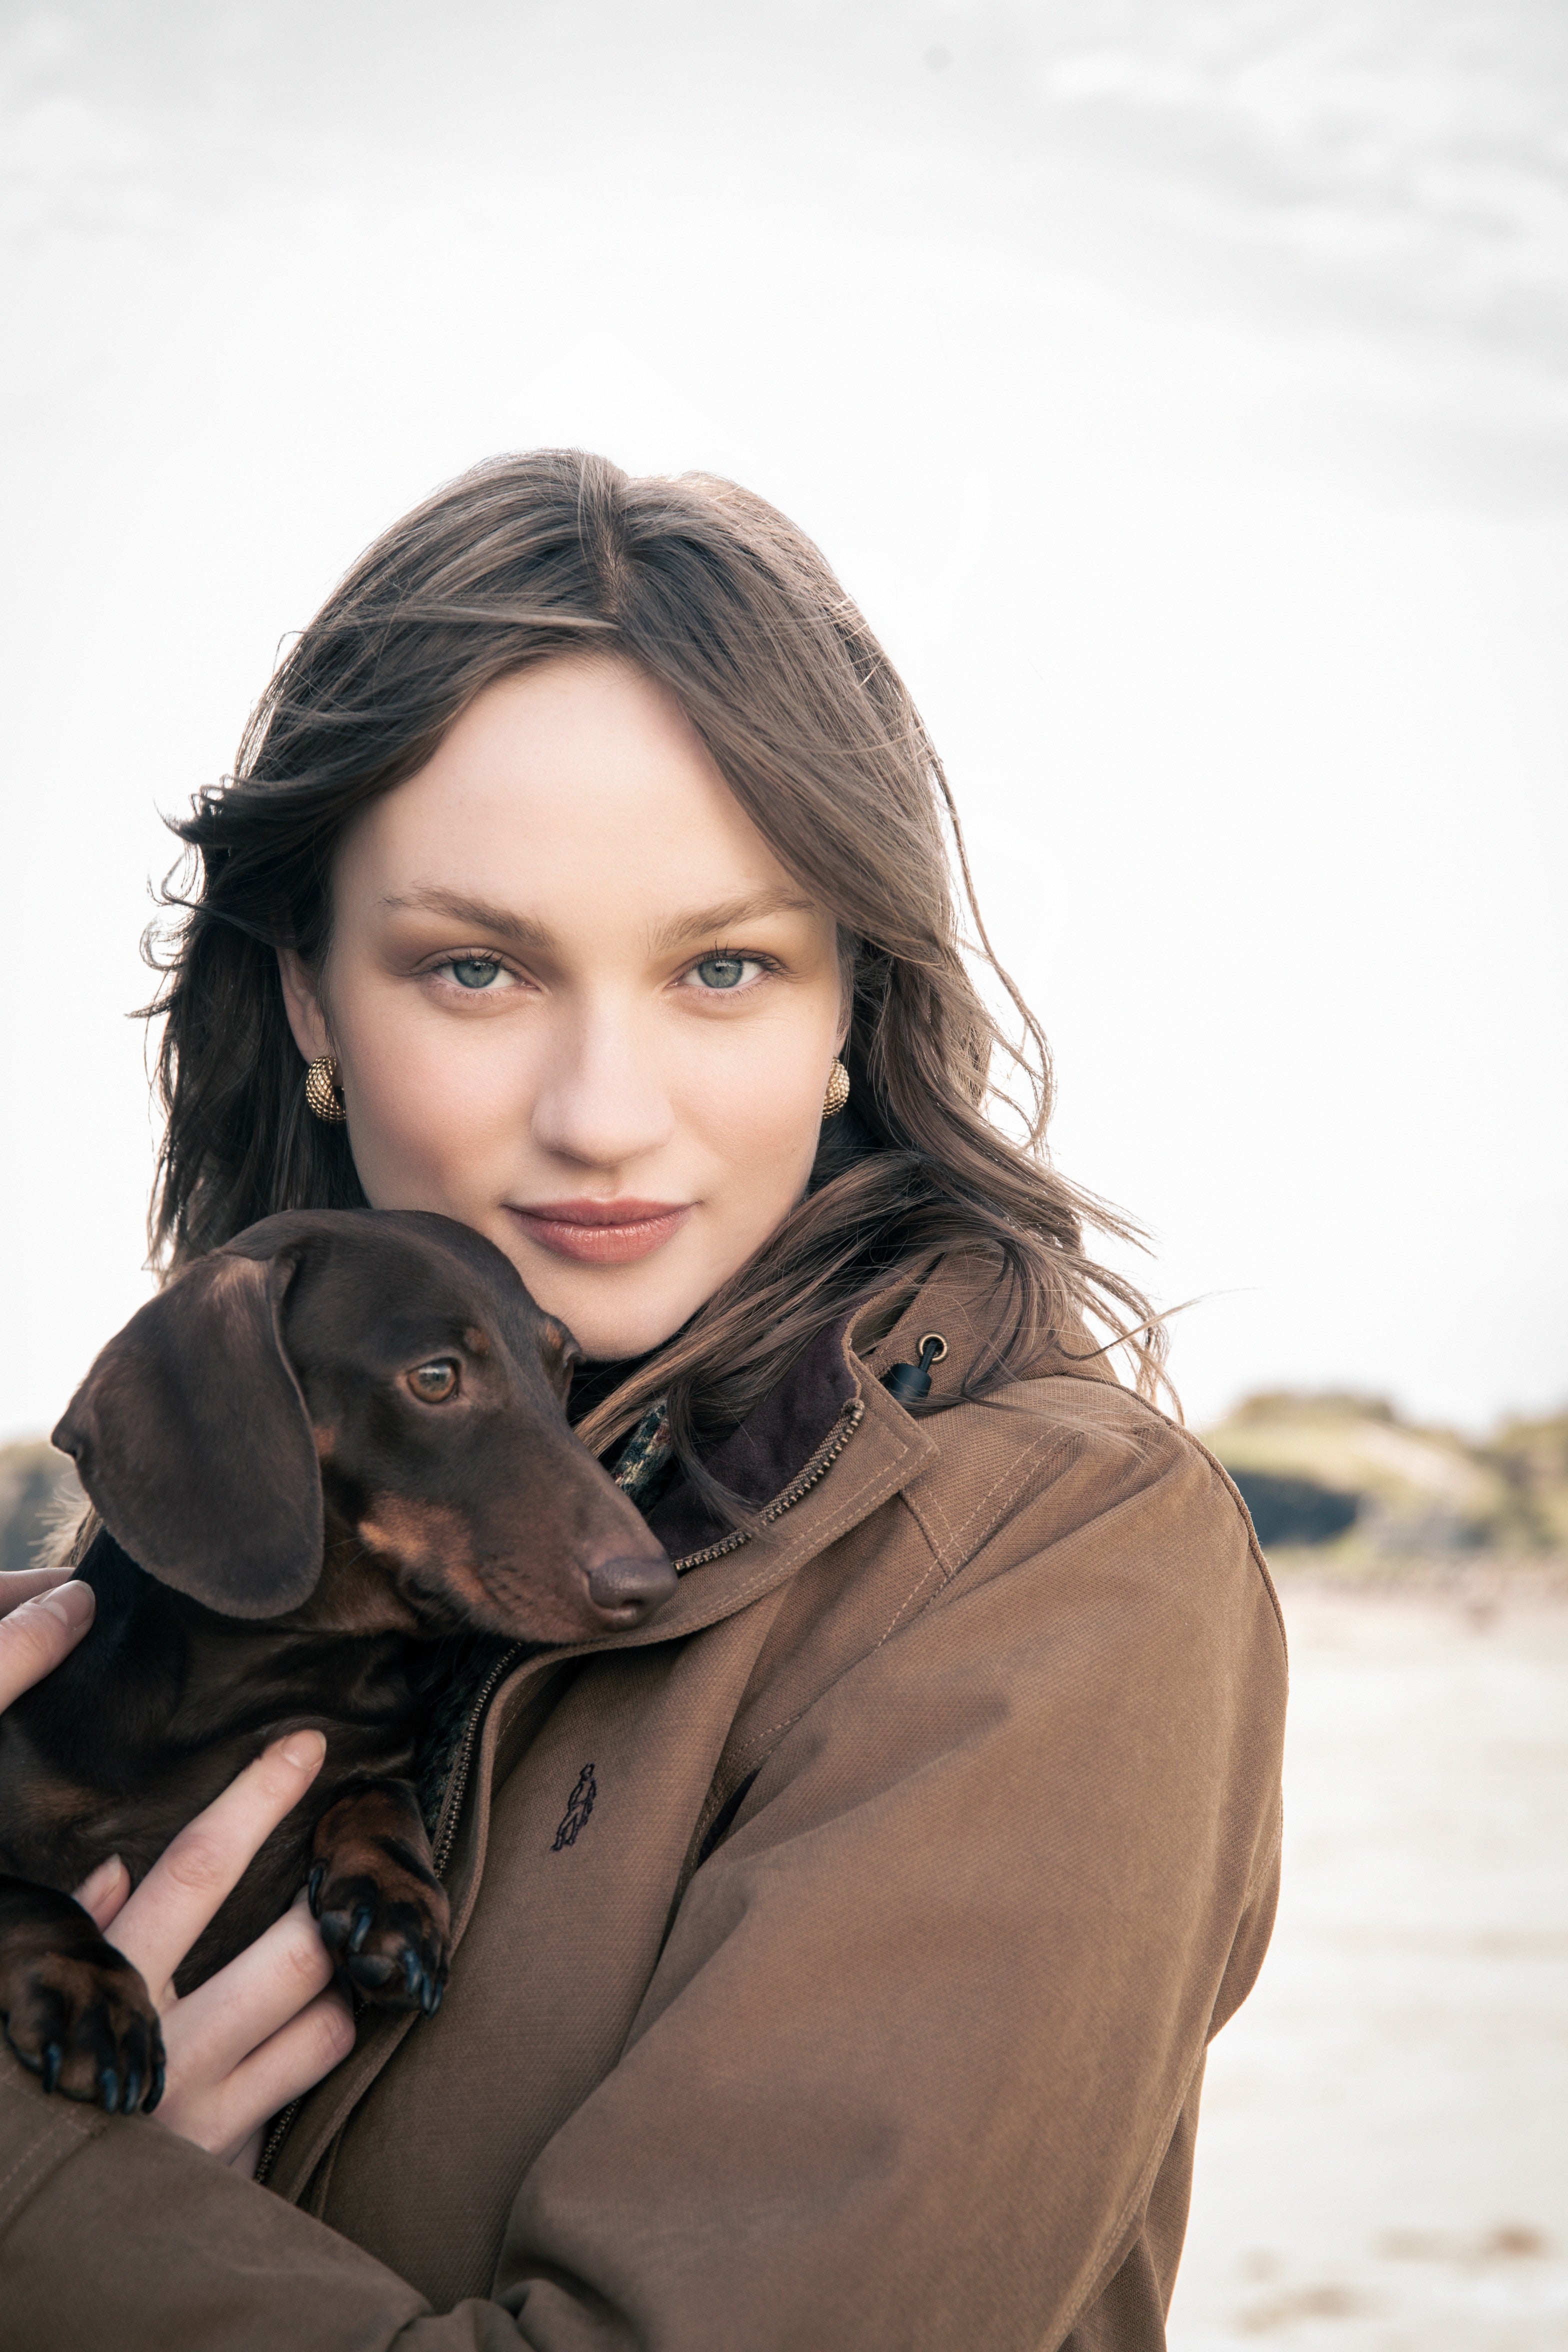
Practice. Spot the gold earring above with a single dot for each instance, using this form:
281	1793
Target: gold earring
838	1094
323	1092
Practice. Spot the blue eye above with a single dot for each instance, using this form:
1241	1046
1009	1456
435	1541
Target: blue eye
473	972
721	971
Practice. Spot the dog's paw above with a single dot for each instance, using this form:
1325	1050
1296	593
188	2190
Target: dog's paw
87	2027
389	1934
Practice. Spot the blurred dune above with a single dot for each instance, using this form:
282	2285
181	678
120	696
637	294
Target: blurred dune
1343	1478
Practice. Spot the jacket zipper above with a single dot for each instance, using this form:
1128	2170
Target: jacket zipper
821	1461
275	2139
463	1762
446	1831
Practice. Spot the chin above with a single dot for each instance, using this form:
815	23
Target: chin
606	1326
604	1337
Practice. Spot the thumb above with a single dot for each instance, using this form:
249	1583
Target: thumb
103	1891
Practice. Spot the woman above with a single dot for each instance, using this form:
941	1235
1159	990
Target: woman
837	1953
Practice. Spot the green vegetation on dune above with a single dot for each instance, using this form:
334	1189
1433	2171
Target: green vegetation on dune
1345	1474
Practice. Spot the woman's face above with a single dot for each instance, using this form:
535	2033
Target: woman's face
577	1003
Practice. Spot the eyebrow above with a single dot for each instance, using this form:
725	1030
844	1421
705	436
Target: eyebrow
725	914
474	914
480	915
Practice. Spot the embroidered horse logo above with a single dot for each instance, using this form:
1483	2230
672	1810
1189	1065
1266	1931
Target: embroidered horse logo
579	1805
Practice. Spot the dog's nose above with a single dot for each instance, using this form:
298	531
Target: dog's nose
624	1591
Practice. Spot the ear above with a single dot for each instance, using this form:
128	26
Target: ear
302	1004
849	957
192	1438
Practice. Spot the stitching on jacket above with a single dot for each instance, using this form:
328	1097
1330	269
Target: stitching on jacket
1047	1437
52	2126
1100	2277
939	1551
1137	2203
850	1517
1265	1857
1018	1473
1229	1485
787	1723
1014	1479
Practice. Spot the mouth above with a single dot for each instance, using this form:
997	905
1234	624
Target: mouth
602	1232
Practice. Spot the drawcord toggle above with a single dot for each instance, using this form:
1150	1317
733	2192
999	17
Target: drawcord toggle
908	1383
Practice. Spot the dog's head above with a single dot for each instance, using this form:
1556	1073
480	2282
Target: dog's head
378	1385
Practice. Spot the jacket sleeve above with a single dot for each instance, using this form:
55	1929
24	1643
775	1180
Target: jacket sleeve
922	2031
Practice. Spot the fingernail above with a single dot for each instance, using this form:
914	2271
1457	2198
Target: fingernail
72	1603
303	1749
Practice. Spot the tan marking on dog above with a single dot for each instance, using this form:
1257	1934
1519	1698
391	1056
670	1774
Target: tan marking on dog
434	1544
424	1535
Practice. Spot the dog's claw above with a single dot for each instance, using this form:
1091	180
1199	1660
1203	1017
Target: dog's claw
313	1888
385	1926
54	2058
109	2090
155	2091
132	2097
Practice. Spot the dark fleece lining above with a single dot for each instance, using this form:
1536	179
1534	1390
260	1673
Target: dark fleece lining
771	1447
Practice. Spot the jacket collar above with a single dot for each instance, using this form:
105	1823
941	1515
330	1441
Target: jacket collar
770	1450
829	1446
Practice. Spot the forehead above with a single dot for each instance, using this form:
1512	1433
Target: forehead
571	778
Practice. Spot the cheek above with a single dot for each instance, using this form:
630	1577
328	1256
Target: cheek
759	1118
433	1104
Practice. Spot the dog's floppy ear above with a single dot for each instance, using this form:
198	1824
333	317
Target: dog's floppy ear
191	1436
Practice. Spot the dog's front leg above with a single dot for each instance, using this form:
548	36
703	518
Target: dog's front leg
382	1911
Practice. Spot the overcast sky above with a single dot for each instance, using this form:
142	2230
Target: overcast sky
1180	386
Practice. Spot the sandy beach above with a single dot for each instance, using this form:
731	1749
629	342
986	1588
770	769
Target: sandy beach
1384	2160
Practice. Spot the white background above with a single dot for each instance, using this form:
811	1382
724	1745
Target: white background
1179	386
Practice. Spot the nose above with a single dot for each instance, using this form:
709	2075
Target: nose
627	1592
605	1105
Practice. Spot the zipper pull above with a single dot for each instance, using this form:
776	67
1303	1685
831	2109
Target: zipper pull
908	1383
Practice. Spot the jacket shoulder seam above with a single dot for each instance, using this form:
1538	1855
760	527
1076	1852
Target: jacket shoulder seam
1185	1439
950	1553
758	1740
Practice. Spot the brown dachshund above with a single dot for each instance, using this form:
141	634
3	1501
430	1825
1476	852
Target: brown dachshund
339	1438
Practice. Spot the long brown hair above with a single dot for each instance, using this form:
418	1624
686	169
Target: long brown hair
710	590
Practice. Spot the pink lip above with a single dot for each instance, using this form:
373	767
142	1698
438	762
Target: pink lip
602	1232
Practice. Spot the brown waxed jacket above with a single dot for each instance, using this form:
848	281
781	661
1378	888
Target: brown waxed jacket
836	1954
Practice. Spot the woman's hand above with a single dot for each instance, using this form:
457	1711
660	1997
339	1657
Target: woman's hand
265	2028
44	1613
268	2027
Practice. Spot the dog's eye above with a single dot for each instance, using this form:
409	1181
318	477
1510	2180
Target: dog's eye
433	1384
